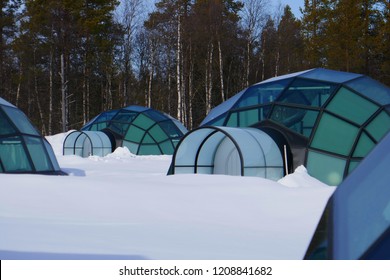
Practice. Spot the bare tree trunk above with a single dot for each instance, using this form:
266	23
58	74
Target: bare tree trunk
208	78
36	93
221	71
178	72
50	92
19	84
63	96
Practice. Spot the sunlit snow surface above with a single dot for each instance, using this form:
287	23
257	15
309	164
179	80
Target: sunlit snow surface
125	207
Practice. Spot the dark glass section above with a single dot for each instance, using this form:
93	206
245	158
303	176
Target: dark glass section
296	119
20	120
262	93
171	129
5	126
307	92
37	153
372	89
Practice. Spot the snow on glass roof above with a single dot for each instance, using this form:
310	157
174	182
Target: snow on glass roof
144	131
342	116
22	148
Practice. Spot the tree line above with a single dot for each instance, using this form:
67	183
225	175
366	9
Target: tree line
64	61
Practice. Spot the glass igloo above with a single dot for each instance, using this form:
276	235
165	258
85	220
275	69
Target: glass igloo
341	117
144	131
22	148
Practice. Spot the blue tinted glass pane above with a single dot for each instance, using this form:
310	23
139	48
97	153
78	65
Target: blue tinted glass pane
20	120
6	103
118	127
125	116
351	106
5	126
249	117
372	89
106	116
171	129
38	155
136	108
326	168
362	205
156	116
307	92
262	93
299	120
330	75
13	155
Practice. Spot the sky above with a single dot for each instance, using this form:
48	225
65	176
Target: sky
294	4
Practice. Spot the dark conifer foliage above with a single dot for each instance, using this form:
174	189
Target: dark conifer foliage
65	61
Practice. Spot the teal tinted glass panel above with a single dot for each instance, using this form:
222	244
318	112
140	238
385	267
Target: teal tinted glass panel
38	155
148	139
158	134
5	126
326	168
364	146
233	120
13	155
307	92
299	120
133	147
52	156
372	89
379	126
351	106
135	134
218	121
143	122
171	129
20	120
262	93
149	150
334	135
352	165
167	148
248	117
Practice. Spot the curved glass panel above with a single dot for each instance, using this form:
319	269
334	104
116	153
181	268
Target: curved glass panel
149	150
327	168
307	92
134	134
148	139
143	122
207	151
351	106
167	147
334	135
361	206
158	134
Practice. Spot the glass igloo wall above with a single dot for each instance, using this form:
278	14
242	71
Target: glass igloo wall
22	148
142	130
87	143
343	116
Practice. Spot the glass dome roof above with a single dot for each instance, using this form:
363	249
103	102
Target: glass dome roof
342	115
22	148
144	131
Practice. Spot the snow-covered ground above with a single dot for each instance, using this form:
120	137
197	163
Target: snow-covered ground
125	207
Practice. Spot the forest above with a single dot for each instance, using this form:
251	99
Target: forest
62	62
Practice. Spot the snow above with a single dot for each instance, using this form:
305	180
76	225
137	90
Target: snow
124	206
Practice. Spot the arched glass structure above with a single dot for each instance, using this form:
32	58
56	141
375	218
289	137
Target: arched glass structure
142	130
87	143
342	116
356	221
228	151
22	148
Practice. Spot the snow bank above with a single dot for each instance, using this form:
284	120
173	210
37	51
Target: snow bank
125	207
